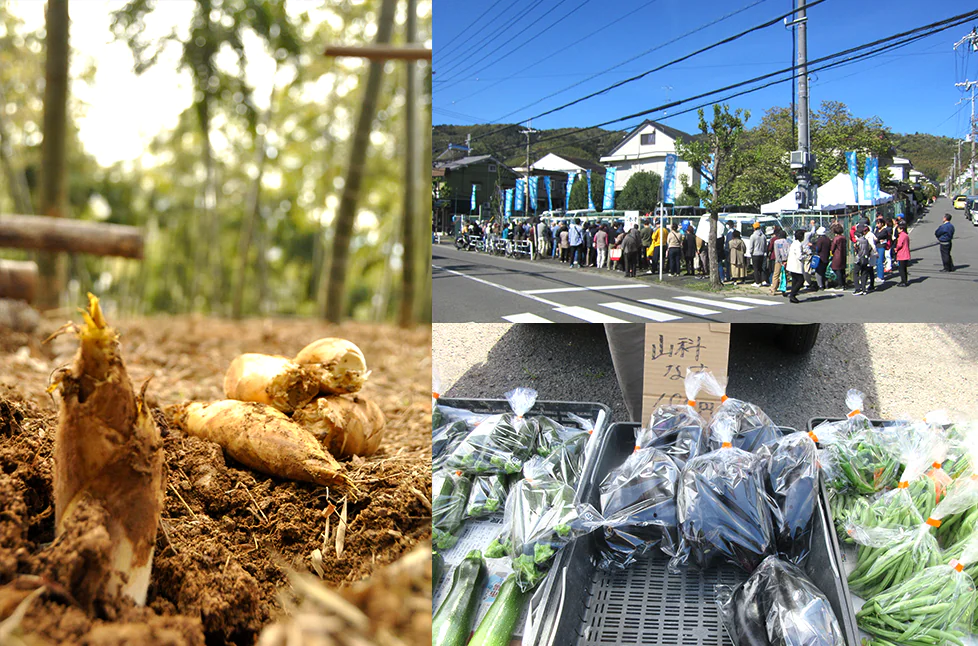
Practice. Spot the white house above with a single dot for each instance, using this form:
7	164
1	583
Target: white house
900	169
565	164
645	149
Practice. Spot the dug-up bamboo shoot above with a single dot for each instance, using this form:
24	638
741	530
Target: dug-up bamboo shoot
338	364
107	448
345	426
261	438
271	380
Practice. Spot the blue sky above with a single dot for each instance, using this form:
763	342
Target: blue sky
911	89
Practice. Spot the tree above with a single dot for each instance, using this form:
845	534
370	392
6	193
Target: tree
721	140
578	196
641	192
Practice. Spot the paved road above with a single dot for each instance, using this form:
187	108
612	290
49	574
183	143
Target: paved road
475	287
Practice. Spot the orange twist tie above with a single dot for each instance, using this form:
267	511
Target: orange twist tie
956	564
690	402
519	417
936	465
974	476
933	522
723	398
812	435
590	431
458	473
637	447
435	395
726	445
903	484
854	413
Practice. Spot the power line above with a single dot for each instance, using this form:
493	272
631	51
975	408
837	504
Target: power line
637	77
909	37
556	52
524	43
466	28
443	51
521	15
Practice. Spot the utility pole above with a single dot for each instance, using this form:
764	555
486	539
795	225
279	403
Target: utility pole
802	161
468	144
526	185
971	38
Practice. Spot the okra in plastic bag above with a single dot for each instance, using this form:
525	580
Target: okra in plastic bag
445	439
723	509
500	443
679	430
552	434
752	427
854	455
778	605
934	606
791	476
564	464
487	497
451	495
540	518
564	448
638	509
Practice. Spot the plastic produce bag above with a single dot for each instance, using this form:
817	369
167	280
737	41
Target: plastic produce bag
678	430
752	427
638	509
791	477
780	606
889	556
445	439
552	435
539	519
854	455
451	494
500	443
959	525
564	464
563	449
487	497
723	509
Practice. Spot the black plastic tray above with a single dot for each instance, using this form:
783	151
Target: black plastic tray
646	604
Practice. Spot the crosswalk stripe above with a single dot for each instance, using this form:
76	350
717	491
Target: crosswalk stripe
526	317
752	301
595	288
679	307
585	314
641	311
707	301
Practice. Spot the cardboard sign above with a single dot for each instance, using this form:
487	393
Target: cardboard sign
670	349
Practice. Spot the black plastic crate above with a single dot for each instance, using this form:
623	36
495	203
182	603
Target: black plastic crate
646	604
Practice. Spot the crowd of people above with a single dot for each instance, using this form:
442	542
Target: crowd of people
816	257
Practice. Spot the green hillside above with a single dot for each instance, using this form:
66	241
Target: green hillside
931	155
510	146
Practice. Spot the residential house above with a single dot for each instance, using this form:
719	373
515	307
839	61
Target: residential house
645	149
900	169
566	164
459	172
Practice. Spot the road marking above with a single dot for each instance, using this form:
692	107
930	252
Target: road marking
680	307
752	301
641	311
497	286
564	290
707	301
526	317
585	314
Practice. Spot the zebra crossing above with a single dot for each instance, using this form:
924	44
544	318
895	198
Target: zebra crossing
651	309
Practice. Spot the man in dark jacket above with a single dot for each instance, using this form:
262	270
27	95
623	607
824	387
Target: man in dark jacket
646	235
630	247
944	234
821	248
864	252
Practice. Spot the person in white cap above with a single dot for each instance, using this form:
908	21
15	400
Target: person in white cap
821	248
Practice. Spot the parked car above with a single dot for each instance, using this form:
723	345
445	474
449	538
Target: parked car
959	201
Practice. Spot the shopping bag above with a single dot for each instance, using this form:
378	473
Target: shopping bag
830	275
783	282
616	255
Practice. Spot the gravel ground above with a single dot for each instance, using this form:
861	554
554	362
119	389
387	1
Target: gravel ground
904	370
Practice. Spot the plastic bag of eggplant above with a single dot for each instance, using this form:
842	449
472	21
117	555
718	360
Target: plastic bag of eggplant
500	443
791	477
778	606
679	430
752	428
638	509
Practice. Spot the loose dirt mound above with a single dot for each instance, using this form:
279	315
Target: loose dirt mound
227	532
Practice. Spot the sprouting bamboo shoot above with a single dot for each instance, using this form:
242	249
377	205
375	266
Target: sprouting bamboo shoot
271	380
345	426
339	365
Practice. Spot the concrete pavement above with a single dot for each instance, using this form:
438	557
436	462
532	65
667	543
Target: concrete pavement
475	287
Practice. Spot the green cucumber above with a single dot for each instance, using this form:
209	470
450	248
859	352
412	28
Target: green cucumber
496	628
451	624
437	567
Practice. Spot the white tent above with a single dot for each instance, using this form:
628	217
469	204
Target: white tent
836	194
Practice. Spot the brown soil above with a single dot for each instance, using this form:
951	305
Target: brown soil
227	533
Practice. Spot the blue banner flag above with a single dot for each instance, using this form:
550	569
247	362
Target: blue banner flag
509	203
570	183
871	182
609	189
853	174
519	195
704	186
590	200
533	192
546	185
669	181
472	200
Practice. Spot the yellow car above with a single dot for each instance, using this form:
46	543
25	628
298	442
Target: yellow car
959	201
